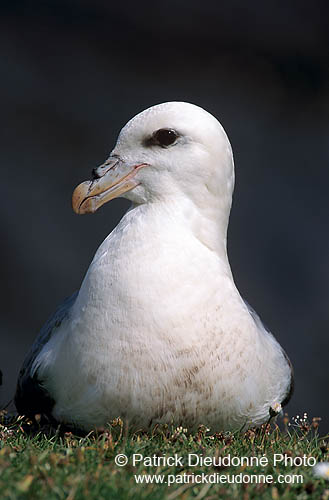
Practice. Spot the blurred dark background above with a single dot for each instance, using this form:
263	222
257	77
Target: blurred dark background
73	72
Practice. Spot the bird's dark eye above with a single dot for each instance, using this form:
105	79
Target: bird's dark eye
165	136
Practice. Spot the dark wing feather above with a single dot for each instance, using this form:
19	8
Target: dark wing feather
31	398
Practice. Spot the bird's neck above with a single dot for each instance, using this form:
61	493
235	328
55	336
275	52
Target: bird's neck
208	225
158	256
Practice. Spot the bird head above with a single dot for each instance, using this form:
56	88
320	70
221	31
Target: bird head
168	151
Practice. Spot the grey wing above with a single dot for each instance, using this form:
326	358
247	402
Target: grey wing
291	384
31	397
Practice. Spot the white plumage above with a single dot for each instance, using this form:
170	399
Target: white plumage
158	331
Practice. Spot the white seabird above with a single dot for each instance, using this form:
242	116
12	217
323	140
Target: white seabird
158	331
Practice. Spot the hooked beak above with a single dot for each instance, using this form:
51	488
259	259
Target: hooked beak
111	180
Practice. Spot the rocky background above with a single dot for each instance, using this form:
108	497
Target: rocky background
73	72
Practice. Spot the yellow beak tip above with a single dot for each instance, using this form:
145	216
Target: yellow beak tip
79	194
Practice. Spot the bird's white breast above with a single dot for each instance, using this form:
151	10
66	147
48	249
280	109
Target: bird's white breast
159	332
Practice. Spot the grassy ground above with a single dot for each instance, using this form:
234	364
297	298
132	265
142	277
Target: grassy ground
38	464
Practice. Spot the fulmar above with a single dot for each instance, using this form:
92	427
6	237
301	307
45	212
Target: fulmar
158	332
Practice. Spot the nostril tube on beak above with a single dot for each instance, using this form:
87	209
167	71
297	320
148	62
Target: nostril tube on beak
94	174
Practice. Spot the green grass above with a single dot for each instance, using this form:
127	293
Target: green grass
38	464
